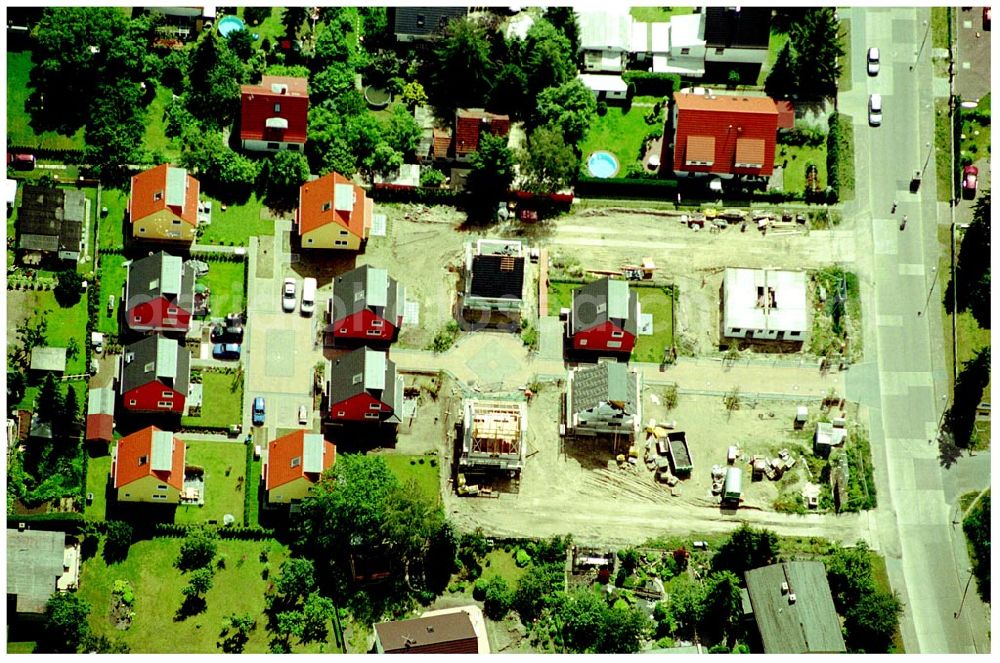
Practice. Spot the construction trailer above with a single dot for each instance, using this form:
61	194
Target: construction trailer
493	436
732	488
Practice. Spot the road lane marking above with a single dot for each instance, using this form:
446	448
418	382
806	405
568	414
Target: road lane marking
889	320
911	269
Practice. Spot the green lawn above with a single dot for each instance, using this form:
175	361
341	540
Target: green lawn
19	130
776	42
976	139
620	133
20	647
658	14
222	401
253	484
271	28
560	295
64	324
111	234
113	277
98	474
796	158
939	27
225	280
659	303
844	82
942	151
238	588
500	563
225	469
424	474
237	223
156	138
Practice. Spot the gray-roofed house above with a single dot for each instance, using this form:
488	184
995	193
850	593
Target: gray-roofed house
423	23
367	304
100	414
603	399
494	282
48	359
363	386
154	375
793	608
605	39
736	38
604	317
50	221
39	563
159	294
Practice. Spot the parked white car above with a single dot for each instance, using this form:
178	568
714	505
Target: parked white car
875	110
873	56
288	295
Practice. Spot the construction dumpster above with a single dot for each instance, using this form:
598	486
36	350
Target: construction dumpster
680	455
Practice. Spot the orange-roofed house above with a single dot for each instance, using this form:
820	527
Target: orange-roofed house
723	134
294	463
333	213
273	114
163	205
148	466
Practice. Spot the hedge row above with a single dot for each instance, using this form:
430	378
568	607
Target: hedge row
648	83
230	532
416	195
596	187
248	494
67	156
52	521
840	155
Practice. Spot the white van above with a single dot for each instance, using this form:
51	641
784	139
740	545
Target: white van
308	296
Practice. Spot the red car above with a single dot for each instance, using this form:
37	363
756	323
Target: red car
970	179
21	161
986	18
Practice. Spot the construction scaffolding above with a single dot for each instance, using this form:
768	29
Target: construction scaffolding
493	435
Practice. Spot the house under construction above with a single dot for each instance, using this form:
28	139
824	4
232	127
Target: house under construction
493	436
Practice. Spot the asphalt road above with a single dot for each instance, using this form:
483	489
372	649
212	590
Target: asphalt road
904	380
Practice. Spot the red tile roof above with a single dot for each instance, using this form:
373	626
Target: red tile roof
258	103
315	195
442	142
147	184
132	448
100	427
280	453
469	122
742	128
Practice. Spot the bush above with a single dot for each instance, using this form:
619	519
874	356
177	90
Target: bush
602	108
522	558
431	177
648	83
68	290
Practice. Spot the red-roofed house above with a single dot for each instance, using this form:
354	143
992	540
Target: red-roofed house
273	114
148	466
723	134
101	414
163	205
333	213
469	124
367	304
159	294
294	463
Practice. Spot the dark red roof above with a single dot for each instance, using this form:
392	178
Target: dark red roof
265	101
469	122
100	427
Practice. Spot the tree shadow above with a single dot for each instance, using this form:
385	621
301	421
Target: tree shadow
192	605
948	451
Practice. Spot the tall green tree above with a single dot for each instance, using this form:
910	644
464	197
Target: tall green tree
973	270
548	58
849	571
571	107
117	540
871	621
548	163
65	624
461	69
687	607
817	43
401	131
491	176
724	604
282	174
198	549
536	590
51	403
747	548
977	530
115	129
214	78
565	21
960	419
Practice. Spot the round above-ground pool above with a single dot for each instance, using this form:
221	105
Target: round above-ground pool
602	164
229	24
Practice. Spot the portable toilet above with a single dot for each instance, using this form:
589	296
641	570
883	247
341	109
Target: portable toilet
733	486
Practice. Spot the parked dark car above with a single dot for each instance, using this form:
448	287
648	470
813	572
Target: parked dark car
21	161
229	333
226	350
258	411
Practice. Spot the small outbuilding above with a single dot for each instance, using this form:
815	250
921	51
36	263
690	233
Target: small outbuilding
49	359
